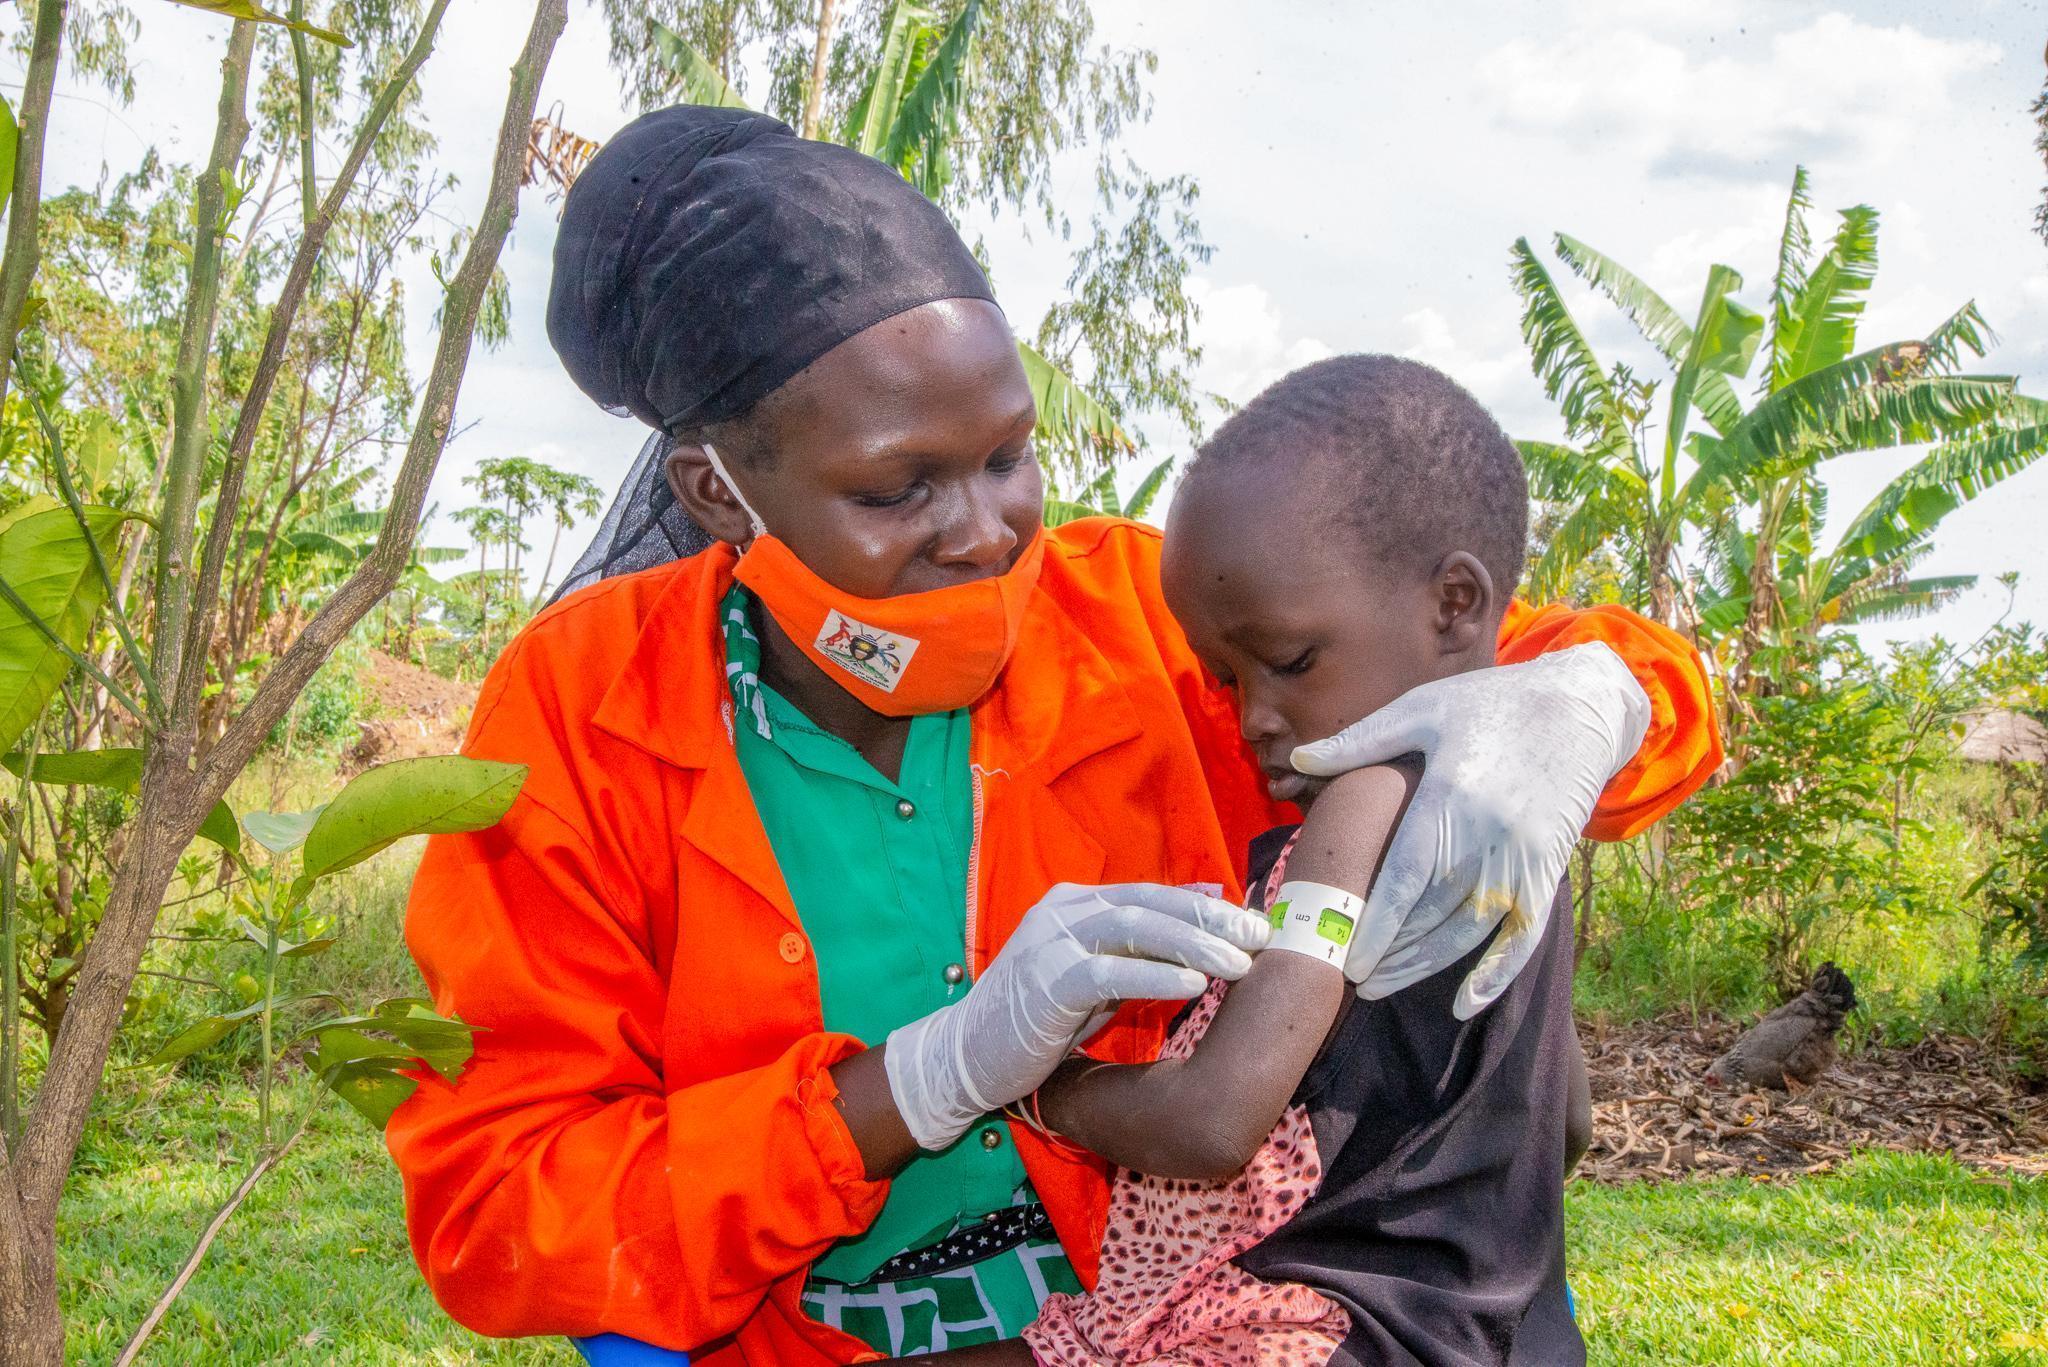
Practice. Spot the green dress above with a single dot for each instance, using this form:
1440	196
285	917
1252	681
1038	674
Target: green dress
878	872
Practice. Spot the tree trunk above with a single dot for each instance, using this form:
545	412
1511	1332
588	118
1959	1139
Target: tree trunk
548	571
31	1327
1583	932
814	98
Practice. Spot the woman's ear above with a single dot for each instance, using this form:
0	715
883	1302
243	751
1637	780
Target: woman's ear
704	495
1463	592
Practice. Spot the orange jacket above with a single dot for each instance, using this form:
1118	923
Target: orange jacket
645	1141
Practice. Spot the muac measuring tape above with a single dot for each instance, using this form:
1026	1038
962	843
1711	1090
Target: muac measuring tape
1314	919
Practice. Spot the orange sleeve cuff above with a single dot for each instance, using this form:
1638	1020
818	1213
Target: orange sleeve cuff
1682	747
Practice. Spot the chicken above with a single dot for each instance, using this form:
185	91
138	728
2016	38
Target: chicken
1793	1044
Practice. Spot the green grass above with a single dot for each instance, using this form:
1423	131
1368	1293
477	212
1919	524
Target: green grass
313	1268
1895	1260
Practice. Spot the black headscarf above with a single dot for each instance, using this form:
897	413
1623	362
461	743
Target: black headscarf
706	256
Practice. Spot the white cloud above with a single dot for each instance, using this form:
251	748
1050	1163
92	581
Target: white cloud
1245	343
1499	379
1835	83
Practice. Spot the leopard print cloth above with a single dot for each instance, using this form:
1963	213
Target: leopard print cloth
1169	1292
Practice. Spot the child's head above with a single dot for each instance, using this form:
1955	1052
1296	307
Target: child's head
1355	530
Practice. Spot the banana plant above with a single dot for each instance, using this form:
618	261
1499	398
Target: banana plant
1867	574
1099	498
1743	478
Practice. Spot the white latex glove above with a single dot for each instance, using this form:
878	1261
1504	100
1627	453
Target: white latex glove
1514	759
1073	957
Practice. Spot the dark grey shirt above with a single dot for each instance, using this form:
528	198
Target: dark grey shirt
1439	1224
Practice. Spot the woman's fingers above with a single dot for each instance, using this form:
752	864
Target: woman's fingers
1141	933
1196	907
1103	979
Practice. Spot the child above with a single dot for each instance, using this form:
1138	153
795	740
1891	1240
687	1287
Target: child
1311	1178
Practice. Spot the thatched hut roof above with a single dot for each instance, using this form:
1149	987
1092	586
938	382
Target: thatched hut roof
1998	735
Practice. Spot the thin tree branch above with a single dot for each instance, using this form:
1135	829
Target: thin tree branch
206	1238
176	799
283	314
24	244
191	432
10	969
386	562
302	67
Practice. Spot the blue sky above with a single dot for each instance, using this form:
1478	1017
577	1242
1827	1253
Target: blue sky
1364	168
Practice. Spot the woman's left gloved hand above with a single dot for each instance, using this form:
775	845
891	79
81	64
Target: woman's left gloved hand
1514	759
1075	956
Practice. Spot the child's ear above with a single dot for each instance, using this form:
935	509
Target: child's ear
1463	601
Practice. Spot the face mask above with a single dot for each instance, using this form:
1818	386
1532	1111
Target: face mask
904	656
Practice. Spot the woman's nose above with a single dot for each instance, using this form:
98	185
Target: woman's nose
978	536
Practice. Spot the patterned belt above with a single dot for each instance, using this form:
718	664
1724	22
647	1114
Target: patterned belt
998	1233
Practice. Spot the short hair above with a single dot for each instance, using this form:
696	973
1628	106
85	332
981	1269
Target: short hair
1408	459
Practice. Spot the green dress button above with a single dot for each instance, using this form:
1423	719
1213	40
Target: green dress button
906	809
992	1139
954	975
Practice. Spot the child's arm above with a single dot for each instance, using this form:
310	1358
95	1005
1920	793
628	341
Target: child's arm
1204	1117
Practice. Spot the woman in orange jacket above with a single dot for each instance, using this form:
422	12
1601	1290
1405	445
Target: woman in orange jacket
833	838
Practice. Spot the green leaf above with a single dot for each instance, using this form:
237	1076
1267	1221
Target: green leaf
928	119
869	121
246	9
1563	359
199	1035
1795	246
95	452
202	1033
222	829
1817	326
281	832
436	795
1140	501
373	1088
441	1042
1871	401
29	507
119	769
10	143
286	949
1941	482
697	81
1071	421
1723	343
1659	323
44	559
1060	511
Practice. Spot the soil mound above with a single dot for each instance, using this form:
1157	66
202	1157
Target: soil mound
412	712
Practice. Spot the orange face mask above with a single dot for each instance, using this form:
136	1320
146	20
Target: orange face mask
904	656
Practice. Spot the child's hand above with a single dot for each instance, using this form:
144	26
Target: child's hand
1514	760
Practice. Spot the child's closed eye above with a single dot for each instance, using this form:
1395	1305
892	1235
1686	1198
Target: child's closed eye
1300	664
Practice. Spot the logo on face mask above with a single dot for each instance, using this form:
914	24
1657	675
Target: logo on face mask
873	656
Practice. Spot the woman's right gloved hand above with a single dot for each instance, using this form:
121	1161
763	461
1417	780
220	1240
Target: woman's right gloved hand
1076	954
